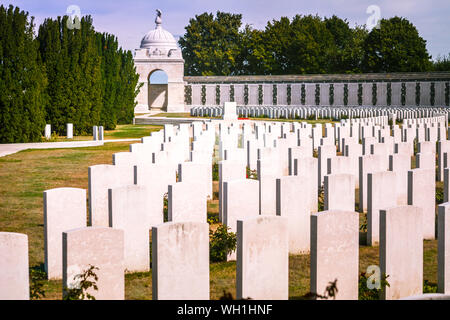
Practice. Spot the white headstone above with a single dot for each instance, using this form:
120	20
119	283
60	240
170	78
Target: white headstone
367	164
234	207
262	266
293	199
444	248
99	247
400	164
187	202
14	278
401	251
325	152
335	252
307	167
422	193
229	111
339	192
156	178
101	178
195	172
228	171
180	261
64	209
130	209
381	194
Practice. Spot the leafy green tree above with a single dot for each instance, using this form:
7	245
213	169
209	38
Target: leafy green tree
395	47
442	63
346	54
211	44
298	47
301	45
354	54
253	56
23	81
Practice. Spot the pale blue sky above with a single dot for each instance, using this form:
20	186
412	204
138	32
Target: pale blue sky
130	20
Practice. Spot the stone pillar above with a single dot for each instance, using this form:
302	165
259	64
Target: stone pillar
95	133
48	131
70	131
100	133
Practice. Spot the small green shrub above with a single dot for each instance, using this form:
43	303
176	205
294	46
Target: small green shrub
364	293
221	244
166	207
212	218
215	172
429	287
251	174
439	196
315	153
330	292
79	292
321	199
363	226
53	138
37	280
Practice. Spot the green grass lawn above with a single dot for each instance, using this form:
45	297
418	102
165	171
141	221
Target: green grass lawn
129	131
25	175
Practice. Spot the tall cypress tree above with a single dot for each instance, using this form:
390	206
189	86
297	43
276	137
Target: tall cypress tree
23	81
65	75
74	71
119	82
129	88
110	68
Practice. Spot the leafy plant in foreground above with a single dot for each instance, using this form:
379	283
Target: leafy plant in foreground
87	279
222	243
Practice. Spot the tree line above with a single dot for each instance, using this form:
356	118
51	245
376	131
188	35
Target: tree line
64	74
305	44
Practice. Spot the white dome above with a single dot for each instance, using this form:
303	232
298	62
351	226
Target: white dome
159	37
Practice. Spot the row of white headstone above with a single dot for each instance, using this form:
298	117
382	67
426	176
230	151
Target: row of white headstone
273	216
98	132
334	112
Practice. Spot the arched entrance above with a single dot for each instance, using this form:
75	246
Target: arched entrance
157	90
